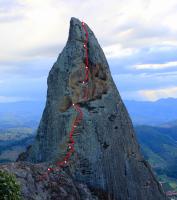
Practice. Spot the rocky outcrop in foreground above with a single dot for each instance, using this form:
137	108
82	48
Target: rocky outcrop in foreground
55	186
106	155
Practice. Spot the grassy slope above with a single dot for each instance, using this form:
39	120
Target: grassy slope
13	141
159	146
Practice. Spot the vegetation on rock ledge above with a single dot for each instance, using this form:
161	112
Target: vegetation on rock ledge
9	188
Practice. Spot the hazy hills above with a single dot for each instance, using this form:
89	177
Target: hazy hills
14	141
152	113
159	147
18	122
20	114
28	114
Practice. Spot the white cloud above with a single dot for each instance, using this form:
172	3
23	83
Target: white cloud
117	51
127	30
150	95
153	95
156	66
127	25
7	99
144	86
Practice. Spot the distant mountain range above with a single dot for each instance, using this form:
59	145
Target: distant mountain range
152	113
157	137
169	124
14	141
28	114
159	147
20	114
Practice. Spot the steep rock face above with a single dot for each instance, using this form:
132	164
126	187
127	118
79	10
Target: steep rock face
106	156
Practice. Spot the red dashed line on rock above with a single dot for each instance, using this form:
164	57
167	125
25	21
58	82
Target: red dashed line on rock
79	117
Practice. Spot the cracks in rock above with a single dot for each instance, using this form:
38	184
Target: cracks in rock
100	193
148	167
105	145
112	117
87	106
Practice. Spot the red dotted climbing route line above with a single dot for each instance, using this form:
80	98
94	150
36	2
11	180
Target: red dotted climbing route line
71	140
79	116
86	53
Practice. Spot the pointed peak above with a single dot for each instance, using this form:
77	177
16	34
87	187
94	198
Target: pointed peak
76	31
75	21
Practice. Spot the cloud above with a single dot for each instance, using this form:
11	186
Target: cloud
150	60
35	68
7	99
10	18
150	95
138	37
156	66
129	82
146	86
153	95
117	51
124	26
11	11
23	88
10	5
49	51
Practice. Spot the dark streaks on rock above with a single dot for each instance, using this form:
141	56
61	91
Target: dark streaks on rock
105	144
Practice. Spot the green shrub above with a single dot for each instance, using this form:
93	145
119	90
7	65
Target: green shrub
9	188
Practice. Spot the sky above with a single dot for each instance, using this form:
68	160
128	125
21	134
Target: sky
139	39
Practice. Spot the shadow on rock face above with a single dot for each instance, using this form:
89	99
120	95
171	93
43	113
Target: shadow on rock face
96	86
107	155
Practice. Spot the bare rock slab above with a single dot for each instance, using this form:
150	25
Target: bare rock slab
107	156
